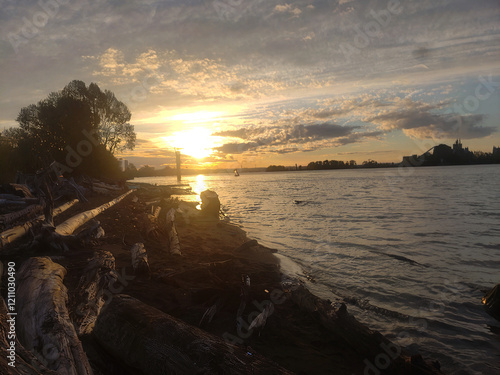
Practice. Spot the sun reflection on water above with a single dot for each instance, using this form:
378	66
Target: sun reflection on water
198	187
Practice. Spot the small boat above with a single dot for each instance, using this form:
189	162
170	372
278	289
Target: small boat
236	174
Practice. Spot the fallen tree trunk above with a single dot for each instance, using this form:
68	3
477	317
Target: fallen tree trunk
103	191
173	239
70	225
140	259
24	189
98	276
43	325
22	361
155	343
13	216
13	234
103	185
25	362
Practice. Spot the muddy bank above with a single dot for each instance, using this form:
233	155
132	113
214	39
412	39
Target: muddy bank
220	284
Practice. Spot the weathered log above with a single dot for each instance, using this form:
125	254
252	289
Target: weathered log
80	191
173	239
70	225
140	259
44	326
155	343
103	185
13	234
103	191
13	216
7	202
22	361
11	197
98	276
48	237
23	188
93	232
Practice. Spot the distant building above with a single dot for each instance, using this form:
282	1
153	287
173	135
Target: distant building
412	160
496	151
457	147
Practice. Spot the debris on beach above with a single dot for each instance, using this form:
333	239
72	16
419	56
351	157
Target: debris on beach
140	259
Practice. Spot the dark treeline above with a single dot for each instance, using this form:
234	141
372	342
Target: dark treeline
331	164
73	131
340	164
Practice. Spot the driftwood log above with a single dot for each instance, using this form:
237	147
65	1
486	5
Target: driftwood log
99	276
155	343
26	212
140	259
24	361
103	185
43	325
70	225
173	239
13	234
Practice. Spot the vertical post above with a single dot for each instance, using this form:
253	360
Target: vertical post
178	163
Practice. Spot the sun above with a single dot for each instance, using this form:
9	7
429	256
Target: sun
196	142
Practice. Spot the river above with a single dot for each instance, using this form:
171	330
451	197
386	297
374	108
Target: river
411	250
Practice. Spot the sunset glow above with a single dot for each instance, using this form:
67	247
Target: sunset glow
196	142
197	117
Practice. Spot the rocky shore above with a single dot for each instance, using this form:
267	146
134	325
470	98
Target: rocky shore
218	305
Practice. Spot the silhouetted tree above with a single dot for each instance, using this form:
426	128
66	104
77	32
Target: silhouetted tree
55	127
276	168
7	168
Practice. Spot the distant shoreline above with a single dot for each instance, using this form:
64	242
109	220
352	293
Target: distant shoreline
196	172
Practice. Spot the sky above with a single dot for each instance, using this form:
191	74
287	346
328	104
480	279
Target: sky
249	83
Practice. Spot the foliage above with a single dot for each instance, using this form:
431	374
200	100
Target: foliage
7	168
78	126
275	168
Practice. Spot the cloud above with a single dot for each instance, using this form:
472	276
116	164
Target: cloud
292	138
236	148
420	120
171	73
287	8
